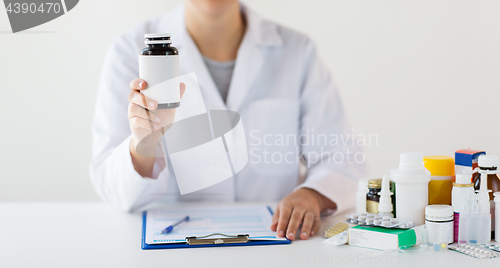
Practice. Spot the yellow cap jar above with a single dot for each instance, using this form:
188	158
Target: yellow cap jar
442	170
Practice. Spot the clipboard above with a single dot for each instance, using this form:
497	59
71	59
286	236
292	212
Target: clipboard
209	240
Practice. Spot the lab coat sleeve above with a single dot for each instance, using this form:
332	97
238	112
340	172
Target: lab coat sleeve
335	166
112	172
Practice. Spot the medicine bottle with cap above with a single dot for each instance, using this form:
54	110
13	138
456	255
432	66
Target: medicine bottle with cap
412	187
442	170
440	218
372	197
159	67
488	167
462	190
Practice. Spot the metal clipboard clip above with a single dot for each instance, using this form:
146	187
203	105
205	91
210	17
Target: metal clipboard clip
228	239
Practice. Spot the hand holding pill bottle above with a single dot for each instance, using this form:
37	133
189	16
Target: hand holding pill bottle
153	100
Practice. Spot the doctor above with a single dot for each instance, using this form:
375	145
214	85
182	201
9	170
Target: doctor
272	76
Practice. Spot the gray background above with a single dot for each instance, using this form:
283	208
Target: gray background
422	75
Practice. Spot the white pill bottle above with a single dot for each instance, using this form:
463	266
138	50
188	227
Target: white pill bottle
159	67
440	219
412	188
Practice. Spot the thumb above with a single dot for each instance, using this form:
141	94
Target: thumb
183	89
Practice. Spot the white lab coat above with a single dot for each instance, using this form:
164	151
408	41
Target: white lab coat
279	87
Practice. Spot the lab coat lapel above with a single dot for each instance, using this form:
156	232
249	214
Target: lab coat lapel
190	60
249	62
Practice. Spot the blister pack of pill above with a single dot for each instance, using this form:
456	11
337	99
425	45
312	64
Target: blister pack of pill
475	251
370	220
491	247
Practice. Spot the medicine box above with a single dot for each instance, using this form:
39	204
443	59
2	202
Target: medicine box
381	238
466	160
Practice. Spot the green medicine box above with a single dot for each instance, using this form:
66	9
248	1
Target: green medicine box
381	238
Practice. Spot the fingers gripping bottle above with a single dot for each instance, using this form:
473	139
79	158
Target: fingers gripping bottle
412	188
159	67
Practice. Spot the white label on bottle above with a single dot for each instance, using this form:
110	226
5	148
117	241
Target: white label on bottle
161	73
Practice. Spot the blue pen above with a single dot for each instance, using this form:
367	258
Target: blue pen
171	227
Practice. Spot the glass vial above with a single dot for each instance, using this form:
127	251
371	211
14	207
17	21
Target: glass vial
372	197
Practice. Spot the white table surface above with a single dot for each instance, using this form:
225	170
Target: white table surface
98	235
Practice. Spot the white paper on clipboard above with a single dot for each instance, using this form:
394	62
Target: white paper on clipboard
230	220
